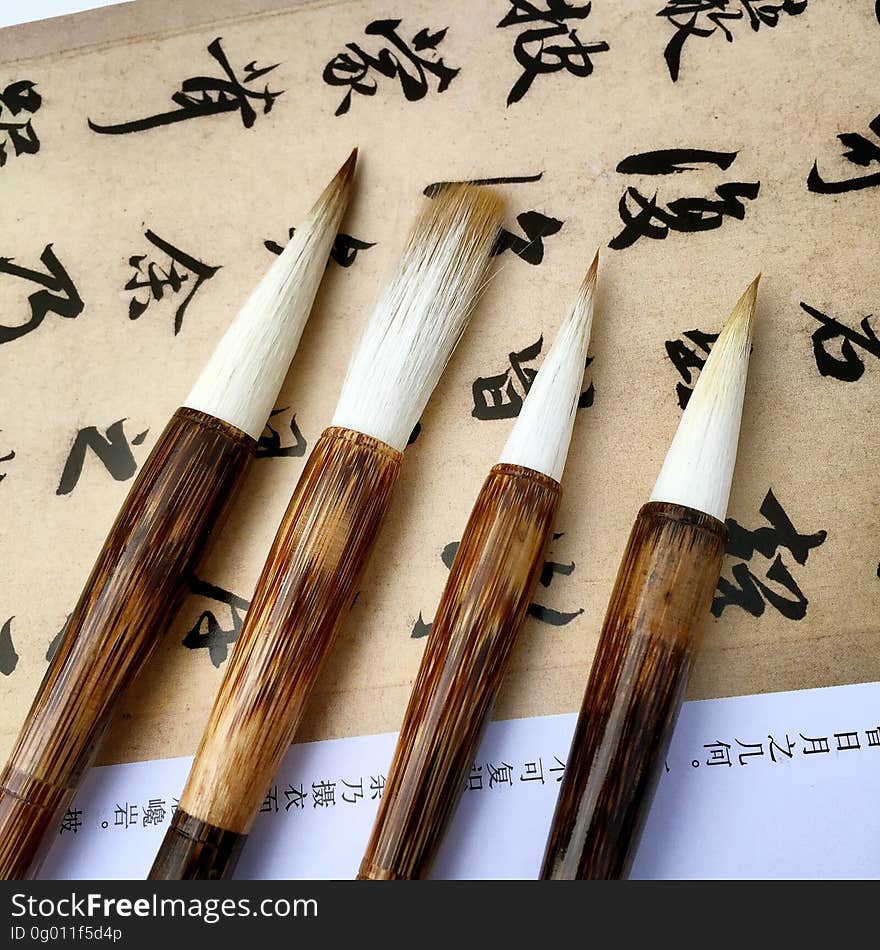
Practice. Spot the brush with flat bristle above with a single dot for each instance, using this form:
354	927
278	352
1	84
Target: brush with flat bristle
310	577
652	628
140	577
481	611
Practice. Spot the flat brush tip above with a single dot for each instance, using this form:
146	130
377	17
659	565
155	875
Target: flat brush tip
485	203
420	314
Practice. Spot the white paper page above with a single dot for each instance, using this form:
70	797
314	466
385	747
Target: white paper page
786	810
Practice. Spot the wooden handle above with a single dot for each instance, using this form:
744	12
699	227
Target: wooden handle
646	649
482	608
304	592
134	590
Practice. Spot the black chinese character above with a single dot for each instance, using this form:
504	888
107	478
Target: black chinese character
688	361
323	794
501	774
207	633
72	821
397	59
686	214
269	444
18	102
862	152
757	747
158	280
202	96
817	745
58	293
8	656
873	734
551	44
533	772
296	797
751	593
703	18
501	396
354	791
849	365
113	450
377	785
719	753
344	251
125	816
154	813
847	741
559	767
475	778
774	747
270	802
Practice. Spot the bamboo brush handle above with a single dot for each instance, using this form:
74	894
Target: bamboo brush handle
134	590
304	592
482	608
646	650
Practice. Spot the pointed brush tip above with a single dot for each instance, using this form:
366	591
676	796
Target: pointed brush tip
748	301
346	171
592	271
745	306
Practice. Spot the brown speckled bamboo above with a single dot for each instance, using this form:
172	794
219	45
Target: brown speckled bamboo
492	580
305	590
135	588
646	649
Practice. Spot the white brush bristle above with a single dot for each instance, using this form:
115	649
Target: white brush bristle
541	434
244	375
698	469
420	315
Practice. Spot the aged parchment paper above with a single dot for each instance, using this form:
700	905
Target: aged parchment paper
777	96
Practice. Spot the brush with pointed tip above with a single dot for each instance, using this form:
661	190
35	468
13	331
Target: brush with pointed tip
140	577
480	613
653	625
311	575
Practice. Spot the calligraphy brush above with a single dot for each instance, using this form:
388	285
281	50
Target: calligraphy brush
482	608
140	577
653	625
310	578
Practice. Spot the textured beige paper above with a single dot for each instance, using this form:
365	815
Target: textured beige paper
776	96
